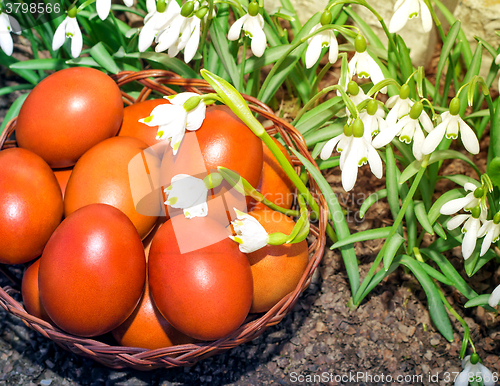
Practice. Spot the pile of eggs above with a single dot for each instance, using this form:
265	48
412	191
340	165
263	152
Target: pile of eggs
101	264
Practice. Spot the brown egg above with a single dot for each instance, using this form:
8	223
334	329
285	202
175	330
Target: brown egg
276	269
62	176
31	295
93	271
118	172
67	113
147	328
131	127
31	205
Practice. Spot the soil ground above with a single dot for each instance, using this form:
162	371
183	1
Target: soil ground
388	340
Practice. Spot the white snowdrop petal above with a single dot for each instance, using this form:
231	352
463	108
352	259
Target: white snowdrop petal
77	40
59	35
313	52
453	206
456	221
494	297
400	17
426	17
103	8
468	138
234	31
434	138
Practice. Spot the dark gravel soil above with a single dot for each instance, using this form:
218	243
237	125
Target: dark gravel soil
388	340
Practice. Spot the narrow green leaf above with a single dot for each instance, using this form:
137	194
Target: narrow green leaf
436	274
487	45
439	230
295	23
299	80
339	221
450	272
316	117
478	301
380	275
420	81
324	134
370	234
462	180
494	171
367	31
444	198
220	42
28	75
443	245
172	64
271	55
392	248
470	263
17	87
13	111
473	70
40	64
83	61
448	45
483	260
436	307
422	218
103	58
370	200
392	182
405	64
494	147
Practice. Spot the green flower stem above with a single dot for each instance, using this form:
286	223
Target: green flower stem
320	76
242	64
206	25
238	105
280	61
120	36
409	197
349	104
466	339
235	4
82	7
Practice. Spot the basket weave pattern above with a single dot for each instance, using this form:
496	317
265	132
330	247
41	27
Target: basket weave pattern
117	357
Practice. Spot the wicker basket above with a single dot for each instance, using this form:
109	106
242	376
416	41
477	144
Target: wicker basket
186	355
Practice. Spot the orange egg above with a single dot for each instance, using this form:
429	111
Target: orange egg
147	328
62	176
67	113
276	269
105	175
199	279
92	271
30	293
131	127
31	205
274	183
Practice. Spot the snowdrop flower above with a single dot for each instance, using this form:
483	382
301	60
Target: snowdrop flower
363	65
474	371
159	17
373	118
355	148
8	25
253	25
408	9
470	228
104	6
494	297
399	105
322	39
250	234
174	119
69	29
408	128
490	230
450	126
183	33
471	200
188	193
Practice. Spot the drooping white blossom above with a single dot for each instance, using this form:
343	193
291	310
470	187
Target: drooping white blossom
104	6
173	119
409	9
250	234
252	24
69	29
159	17
474	371
318	42
467	203
8	25
189	194
472	224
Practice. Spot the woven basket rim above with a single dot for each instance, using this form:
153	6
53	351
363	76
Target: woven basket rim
118	357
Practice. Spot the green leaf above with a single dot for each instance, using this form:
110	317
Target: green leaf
370	200
494	147
295	23
28	75
220	42
266	93
448	45
443	199
478	301
450	272
437	156
473	70
271	55
370	234
331	162
13	111
443	245
436	307
339	221
380	275
299	80
324	134
483	260
83	61
103	58
319	115
462	180
439	230
471	262
422	217
405	64
435	274
420	81
367	31
17	87
494	171
172	64
392	248
40	64
392	182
